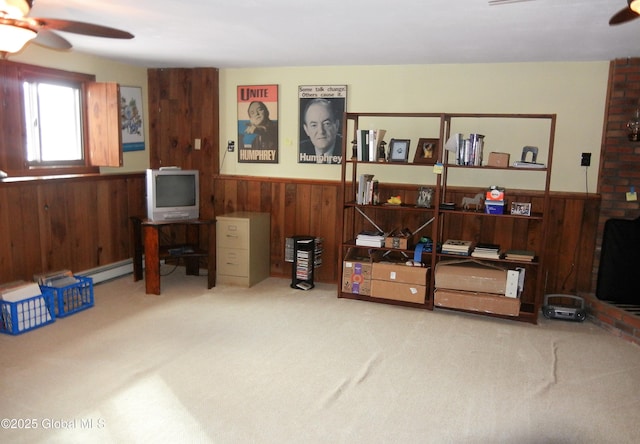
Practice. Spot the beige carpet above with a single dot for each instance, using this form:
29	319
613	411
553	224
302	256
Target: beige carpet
272	364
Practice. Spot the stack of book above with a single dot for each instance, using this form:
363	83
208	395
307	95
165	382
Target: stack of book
369	239
486	251
367	190
19	290
458	247
30	306
56	279
368	144
519	255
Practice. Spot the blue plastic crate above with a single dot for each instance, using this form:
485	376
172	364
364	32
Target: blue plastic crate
27	314
74	297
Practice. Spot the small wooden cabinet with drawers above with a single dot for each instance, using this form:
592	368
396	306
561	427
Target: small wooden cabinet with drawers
243	256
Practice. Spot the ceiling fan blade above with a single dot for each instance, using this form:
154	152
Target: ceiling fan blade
51	40
82	28
623	16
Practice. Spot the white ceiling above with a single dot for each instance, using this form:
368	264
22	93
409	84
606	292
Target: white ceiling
264	33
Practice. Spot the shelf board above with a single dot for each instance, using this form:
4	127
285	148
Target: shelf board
536	216
487	167
197	252
359	297
508	261
383	206
524	316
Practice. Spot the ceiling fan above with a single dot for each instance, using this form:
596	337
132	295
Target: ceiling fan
631	12
17	29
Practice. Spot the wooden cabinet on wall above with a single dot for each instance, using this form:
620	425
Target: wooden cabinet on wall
66	223
183	107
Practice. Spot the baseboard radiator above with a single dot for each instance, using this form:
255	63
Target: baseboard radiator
109	271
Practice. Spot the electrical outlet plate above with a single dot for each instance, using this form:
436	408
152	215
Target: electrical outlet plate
585	159
231	146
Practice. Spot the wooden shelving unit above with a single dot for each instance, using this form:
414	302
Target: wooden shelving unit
509	231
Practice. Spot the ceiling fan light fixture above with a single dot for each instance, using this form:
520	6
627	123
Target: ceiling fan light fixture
15	8
634	5
13	38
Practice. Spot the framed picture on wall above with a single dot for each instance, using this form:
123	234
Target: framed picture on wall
258	124
131	116
322	109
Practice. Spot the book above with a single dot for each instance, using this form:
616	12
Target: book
368	144
369	239
19	290
486	251
519	255
46	278
369	243
486	254
455	244
522	164
365	189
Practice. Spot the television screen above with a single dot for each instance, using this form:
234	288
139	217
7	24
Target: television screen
175	190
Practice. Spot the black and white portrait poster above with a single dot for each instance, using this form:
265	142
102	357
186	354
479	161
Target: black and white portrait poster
322	108
258	124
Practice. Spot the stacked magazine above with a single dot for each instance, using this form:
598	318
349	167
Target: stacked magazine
458	247
370	239
486	251
520	255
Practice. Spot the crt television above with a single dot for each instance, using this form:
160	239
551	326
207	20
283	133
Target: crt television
173	194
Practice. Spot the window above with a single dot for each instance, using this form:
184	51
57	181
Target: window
53	123
46	126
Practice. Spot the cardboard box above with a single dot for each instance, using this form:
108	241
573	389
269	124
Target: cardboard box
399	272
356	276
495	195
493	207
398	291
397	242
498	159
474	301
471	275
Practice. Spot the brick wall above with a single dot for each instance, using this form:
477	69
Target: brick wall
619	157
614	319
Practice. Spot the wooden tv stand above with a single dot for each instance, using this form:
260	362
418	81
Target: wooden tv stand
146	237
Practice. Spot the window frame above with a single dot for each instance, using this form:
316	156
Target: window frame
13	150
35	100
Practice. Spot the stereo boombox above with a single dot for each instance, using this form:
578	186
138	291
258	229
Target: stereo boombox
564	306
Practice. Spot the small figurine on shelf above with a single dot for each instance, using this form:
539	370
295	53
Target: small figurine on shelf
394	200
354	149
476	201
382	156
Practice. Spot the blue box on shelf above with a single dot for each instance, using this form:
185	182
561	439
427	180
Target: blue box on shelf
494	207
26	314
74	297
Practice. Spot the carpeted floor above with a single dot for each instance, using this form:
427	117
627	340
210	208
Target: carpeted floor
272	364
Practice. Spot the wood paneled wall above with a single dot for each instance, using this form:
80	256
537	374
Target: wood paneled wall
297	207
301	207
82	223
66	223
183	107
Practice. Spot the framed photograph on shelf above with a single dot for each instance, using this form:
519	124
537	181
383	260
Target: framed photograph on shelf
426	151
399	150
521	208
